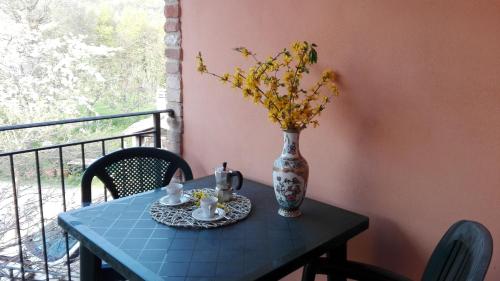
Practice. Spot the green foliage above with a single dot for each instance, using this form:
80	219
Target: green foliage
105	27
136	69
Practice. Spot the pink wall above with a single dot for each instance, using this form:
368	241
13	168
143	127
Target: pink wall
413	142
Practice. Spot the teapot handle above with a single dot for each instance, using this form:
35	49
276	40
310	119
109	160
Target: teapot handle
240	179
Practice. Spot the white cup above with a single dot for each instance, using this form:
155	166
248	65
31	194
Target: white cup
208	206
174	191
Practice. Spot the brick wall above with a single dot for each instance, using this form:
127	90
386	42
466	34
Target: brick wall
172	98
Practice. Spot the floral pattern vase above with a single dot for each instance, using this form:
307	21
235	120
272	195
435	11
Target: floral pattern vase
290	174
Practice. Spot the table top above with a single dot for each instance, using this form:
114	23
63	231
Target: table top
265	246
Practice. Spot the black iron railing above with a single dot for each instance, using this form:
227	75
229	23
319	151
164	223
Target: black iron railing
17	268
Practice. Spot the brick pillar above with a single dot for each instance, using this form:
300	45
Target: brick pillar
173	94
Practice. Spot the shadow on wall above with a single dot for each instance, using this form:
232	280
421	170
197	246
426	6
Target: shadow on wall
385	243
393	249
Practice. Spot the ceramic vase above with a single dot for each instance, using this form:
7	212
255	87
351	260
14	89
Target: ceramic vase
290	174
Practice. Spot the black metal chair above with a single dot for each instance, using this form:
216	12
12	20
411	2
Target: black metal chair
133	170
130	171
464	253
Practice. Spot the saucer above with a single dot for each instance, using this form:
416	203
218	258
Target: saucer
198	215
184	199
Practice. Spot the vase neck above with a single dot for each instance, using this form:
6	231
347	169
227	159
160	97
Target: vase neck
291	144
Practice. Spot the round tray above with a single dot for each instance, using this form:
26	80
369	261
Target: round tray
180	216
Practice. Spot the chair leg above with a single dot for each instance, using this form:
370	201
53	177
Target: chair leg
308	273
337	255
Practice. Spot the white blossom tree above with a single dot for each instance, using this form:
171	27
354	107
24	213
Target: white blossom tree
43	78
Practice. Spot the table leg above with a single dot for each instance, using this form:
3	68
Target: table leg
90	265
337	255
308	273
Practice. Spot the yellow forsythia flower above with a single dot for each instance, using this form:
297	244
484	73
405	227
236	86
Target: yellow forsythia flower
276	84
200	66
288	76
237	78
287	59
327	75
225	77
244	51
256	97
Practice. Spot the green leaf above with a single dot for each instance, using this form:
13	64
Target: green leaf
313	56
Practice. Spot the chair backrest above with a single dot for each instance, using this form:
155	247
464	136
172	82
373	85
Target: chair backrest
464	253
133	170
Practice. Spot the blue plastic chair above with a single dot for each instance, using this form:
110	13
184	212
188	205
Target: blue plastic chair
130	171
463	254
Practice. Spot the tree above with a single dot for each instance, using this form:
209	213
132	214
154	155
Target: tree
43	77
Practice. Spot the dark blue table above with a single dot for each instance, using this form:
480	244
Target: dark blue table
265	246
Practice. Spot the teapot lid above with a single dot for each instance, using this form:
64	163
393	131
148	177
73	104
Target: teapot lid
222	168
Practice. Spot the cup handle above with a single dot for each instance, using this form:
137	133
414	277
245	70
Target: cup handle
210	207
240	178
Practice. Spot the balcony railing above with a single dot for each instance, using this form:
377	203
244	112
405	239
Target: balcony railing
32	247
